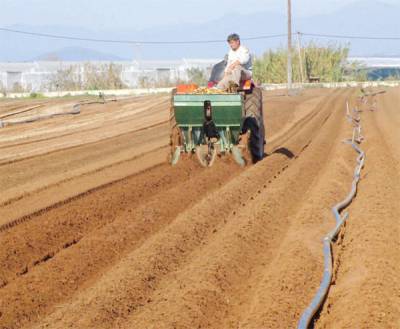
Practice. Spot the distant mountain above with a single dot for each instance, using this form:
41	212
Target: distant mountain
76	54
367	18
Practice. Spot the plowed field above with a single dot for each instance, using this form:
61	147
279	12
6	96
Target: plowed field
99	231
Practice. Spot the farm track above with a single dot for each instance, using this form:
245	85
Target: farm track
105	234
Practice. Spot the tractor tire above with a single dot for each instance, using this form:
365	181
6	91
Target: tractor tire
254	122
175	138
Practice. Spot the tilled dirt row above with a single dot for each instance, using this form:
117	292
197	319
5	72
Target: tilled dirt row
33	183
156	246
366	291
48	157
74	249
96	122
75	243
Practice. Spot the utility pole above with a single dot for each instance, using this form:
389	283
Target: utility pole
289	59
300	56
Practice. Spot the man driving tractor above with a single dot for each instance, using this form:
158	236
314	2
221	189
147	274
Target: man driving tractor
226	117
239	66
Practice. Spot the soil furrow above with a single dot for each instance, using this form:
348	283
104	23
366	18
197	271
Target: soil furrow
108	235
85	261
136	277
368	262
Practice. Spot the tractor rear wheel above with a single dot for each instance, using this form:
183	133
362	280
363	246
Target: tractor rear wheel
254	122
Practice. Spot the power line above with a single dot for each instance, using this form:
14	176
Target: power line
188	42
65	37
336	36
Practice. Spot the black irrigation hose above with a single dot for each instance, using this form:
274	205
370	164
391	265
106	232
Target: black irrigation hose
20	111
76	109
323	289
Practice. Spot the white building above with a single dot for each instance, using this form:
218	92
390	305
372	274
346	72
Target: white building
35	76
377	62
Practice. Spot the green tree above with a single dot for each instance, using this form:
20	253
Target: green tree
321	63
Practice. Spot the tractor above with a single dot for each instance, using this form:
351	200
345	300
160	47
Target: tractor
209	122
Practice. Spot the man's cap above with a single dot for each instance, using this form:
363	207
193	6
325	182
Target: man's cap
233	37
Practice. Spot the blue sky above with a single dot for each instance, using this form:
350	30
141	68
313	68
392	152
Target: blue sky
155	20
97	14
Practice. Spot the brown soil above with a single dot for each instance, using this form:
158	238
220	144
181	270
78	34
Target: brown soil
98	231
366	293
